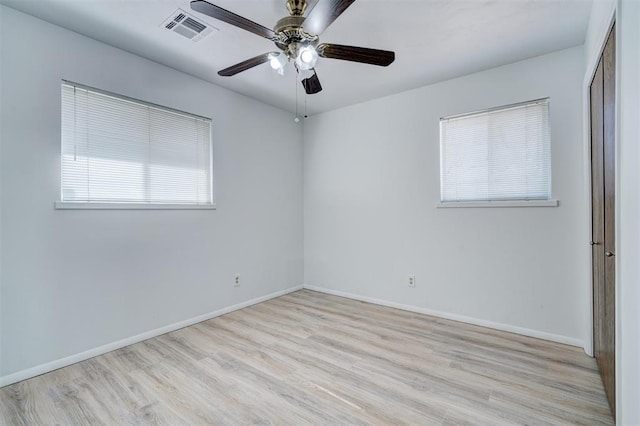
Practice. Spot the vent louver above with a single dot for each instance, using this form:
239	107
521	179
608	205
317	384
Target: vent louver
187	26
194	25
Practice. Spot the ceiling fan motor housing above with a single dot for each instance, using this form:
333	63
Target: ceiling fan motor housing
290	35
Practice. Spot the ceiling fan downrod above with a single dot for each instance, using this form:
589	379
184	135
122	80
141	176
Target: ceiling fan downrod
296	7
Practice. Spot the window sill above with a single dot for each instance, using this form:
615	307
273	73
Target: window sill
66	205
518	203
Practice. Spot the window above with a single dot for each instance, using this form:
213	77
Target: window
498	155
117	150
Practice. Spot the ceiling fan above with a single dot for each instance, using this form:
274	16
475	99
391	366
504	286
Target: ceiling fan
297	38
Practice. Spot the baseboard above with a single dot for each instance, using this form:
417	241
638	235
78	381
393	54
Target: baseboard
455	317
82	356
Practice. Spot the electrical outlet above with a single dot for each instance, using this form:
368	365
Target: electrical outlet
412	281
236	280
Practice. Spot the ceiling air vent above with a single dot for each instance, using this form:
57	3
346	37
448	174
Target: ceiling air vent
187	26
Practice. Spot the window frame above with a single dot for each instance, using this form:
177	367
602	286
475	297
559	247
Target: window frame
62	204
550	202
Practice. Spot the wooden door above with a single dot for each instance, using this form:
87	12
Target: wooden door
603	140
597	208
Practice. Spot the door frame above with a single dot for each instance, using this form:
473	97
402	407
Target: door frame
586	97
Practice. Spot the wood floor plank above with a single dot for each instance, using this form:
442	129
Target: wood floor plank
312	358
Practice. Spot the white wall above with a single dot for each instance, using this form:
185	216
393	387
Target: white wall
1	102
371	187
628	232
76	280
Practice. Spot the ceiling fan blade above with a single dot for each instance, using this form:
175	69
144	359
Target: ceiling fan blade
356	54
231	18
323	15
312	84
245	65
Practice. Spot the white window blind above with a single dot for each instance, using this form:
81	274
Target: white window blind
118	150
500	154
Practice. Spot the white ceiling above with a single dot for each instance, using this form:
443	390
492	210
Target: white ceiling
434	40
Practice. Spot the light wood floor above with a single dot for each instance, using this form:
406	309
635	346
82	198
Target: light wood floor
310	358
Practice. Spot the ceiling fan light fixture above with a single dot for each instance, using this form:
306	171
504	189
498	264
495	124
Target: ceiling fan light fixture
307	58
277	62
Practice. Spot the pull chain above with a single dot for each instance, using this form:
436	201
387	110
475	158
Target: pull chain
296	118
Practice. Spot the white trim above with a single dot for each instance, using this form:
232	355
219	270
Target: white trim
586	154
68	205
72	359
455	317
511	203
